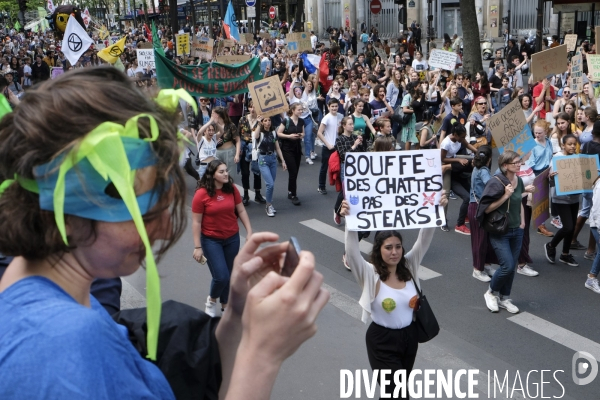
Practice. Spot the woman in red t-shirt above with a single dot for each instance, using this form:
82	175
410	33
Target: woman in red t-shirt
216	232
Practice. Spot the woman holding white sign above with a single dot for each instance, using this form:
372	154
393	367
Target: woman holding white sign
390	284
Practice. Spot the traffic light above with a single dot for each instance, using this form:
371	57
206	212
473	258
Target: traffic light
401	11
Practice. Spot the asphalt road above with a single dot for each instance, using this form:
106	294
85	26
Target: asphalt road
558	315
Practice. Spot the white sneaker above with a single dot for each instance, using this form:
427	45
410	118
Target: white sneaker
527	271
212	309
273	209
319	142
489	270
491	301
345	262
269	211
508	305
313	155
309	161
480	275
556	222
593	285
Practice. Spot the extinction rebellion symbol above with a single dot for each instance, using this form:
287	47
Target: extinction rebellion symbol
74	42
115	51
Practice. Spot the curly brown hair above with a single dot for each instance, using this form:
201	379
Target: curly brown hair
51	119
402	272
208	179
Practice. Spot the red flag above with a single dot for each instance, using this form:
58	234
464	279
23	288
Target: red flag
324	77
148	33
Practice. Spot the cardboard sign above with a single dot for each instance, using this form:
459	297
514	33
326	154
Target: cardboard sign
264	35
145	58
549	62
246	38
540	204
145	45
576	174
298	42
268	96
442	59
182	42
381	54
203	48
393	190
577	73
228	43
571	42
593	62
232	59
510	129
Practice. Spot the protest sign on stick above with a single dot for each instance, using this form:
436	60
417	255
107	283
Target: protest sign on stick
298	43
593	61
145	58
442	59
571	42
576	174
577	72
398	190
549	62
510	129
540	204
269	98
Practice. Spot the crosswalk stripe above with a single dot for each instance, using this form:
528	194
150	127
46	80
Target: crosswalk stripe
365	247
557	333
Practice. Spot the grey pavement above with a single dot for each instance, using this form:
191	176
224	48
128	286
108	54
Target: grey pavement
558	314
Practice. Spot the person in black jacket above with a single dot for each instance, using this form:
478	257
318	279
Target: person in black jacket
40	71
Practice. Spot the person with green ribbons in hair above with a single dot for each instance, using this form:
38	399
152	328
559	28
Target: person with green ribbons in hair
90	183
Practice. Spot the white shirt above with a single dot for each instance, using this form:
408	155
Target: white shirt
313	41
206	149
451	147
420	65
331	122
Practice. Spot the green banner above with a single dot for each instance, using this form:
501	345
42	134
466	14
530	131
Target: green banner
207	79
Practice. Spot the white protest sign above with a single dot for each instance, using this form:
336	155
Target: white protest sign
394	190
577	73
571	42
442	59
593	61
145	58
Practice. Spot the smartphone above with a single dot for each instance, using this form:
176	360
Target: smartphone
292	257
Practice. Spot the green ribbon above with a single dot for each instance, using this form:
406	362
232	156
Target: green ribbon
28	184
169	99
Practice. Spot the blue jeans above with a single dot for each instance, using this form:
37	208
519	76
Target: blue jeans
596	264
309	139
268	170
220	254
507	248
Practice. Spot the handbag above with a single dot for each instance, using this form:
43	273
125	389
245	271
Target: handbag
404	117
496	222
255	147
427	325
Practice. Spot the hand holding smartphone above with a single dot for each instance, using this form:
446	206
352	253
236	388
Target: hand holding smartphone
292	257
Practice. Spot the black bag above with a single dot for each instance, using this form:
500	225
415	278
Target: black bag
427	325
496	222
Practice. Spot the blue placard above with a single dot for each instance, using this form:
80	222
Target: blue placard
523	143
250	3
579	170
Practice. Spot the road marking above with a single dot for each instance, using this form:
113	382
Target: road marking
556	333
365	247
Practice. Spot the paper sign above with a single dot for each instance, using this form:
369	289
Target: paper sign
571	42
56	72
382	55
232	59
145	58
203	48
576	174
183	44
549	62
510	129
442	59
397	190
268	96
593	62
540	204
246	38
577	73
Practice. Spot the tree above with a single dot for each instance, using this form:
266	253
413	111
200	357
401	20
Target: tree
472	48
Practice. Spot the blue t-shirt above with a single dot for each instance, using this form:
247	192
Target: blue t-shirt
52	347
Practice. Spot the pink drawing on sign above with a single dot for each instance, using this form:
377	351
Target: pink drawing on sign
428	199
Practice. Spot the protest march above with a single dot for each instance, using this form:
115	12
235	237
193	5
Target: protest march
125	145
